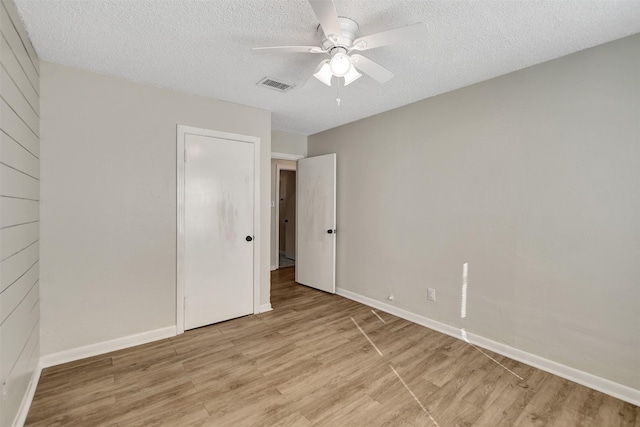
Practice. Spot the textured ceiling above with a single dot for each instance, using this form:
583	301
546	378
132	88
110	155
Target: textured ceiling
203	47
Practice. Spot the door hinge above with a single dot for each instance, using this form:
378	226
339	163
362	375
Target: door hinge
185	155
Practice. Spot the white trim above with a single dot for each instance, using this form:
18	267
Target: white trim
25	405
277	212
265	307
106	346
273	267
256	224
286	156
603	385
182	131
180	147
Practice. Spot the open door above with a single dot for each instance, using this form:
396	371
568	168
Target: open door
316	222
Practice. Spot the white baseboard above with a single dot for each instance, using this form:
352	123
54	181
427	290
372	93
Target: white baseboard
265	307
106	346
273	267
603	385
21	416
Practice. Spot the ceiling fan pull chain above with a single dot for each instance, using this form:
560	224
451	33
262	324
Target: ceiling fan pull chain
338	100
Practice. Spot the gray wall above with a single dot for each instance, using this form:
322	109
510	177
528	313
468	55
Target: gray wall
109	202
289	143
19	211
533	179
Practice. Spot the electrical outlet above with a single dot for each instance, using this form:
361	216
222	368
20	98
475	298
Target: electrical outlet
431	294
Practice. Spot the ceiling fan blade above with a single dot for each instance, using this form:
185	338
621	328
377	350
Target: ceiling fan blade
325	11
372	69
409	33
289	49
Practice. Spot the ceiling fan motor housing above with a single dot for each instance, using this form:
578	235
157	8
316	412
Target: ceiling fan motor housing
345	40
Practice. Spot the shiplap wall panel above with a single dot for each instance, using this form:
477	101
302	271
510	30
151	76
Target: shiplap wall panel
24	37
16	329
15	293
19	212
17	129
14	267
15	239
23	369
16	156
12	66
16	183
12	96
13	38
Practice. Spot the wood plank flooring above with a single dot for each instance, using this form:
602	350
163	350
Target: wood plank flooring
309	362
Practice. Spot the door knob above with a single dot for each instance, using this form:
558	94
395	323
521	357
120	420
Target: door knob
249	238
330	231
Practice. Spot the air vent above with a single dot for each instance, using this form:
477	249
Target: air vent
274	84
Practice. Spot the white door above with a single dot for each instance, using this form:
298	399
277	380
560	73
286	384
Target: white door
316	222
218	227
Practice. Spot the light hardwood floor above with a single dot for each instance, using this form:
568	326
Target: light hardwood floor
316	359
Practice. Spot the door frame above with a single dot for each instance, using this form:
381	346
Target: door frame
182	132
272	198
277	212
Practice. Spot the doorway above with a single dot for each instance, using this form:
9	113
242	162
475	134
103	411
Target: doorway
287	218
285	213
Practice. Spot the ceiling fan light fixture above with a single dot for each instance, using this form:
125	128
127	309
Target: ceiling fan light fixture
351	76
340	64
324	74
338	39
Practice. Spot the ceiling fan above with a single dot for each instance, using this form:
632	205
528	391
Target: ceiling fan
338	40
